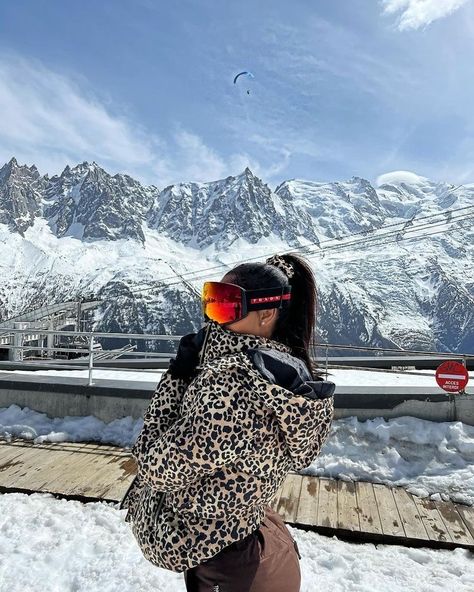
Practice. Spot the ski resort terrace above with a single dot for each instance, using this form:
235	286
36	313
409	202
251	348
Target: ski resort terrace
115	385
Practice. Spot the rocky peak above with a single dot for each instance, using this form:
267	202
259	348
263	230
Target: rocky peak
20	195
89	203
221	212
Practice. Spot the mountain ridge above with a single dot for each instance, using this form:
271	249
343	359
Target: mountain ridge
88	230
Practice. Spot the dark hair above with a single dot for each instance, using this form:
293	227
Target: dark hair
295	324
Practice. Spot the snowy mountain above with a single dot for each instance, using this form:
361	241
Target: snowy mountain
222	212
143	250
88	203
418	294
337	209
21	188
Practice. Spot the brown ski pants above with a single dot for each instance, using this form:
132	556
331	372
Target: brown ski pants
267	560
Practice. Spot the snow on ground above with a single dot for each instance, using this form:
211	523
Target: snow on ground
66	546
428	458
25	423
340	376
151	376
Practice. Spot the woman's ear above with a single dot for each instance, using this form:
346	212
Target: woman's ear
267	316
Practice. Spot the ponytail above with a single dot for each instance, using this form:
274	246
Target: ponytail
296	323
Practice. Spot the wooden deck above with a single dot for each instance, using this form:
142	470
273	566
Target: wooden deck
359	511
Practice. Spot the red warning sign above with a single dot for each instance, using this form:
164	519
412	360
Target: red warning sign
452	376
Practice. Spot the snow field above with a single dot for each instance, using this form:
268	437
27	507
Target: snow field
65	546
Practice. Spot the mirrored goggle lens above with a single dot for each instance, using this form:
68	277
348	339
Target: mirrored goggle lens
222	302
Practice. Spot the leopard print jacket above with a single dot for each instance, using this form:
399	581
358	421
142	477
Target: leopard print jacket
214	452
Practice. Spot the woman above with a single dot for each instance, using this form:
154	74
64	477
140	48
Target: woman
239	407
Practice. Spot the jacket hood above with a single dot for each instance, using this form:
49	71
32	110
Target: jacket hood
283	383
290	372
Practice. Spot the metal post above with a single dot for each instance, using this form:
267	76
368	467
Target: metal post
91	356
16	352
464	363
50	338
327	349
78	316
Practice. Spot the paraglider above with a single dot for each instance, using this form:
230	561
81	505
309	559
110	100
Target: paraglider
246	74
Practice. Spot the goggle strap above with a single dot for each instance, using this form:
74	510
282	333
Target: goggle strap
268	298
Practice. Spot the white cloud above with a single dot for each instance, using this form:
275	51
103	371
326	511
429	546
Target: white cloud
50	120
420	13
48	117
193	160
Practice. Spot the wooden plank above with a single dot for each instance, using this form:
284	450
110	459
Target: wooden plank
19	459
289	498
409	515
388	511
9	453
51	466
49	475
85	477
307	512
54	473
327	503
97	471
467	515
10	464
118	490
347	510
128	470
369	518
45	458
455	525
108	472
432	520
112	480
28	458
51	445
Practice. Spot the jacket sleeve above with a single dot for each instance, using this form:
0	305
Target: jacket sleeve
213	434
162	411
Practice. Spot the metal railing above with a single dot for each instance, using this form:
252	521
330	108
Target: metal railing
91	338
410	352
92	353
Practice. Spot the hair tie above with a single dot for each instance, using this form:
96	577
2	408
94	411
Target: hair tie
285	266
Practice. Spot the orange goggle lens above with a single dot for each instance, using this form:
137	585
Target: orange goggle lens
222	302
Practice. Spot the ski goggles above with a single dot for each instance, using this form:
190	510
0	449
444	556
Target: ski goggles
228	303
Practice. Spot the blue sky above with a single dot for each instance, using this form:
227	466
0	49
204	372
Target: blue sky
341	88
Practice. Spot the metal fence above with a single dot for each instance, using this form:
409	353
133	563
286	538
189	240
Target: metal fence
20	335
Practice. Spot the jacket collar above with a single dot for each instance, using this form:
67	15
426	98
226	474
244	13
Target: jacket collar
220	342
